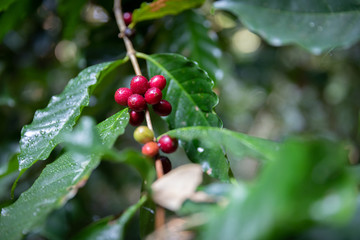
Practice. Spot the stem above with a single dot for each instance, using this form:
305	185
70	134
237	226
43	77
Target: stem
148	122
122	27
160	212
129	49
159	168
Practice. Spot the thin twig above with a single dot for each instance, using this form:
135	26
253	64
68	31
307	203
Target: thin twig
148	122
159	217
129	49
160	212
159	168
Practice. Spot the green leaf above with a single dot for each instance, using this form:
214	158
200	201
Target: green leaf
161	8
307	183
15	14
191	36
147	218
4	4
70	11
59	181
9	167
49	124
237	144
111	229
315	25
144	165
189	90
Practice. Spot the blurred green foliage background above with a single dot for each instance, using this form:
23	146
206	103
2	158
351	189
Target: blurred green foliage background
265	91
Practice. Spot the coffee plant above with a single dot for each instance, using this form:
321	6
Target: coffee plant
184	119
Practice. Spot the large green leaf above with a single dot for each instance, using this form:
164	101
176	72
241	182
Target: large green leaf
70	11
189	90
4	4
60	180
191	36
237	144
111	229
307	183
12	16
314	25
49	124
161	8
144	165
9	167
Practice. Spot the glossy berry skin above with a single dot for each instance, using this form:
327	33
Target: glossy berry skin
163	108
168	144
153	95
136	118
127	18
143	134
150	149
139	84
121	96
158	81
129	32
166	164
136	103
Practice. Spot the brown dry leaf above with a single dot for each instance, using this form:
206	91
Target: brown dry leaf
174	188
173	230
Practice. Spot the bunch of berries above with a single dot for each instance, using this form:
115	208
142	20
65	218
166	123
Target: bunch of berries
151	148
141	93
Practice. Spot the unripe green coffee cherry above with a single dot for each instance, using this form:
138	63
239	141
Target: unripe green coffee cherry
143	135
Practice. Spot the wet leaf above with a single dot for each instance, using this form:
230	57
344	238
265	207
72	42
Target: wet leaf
47	129
111	229
189	90
238	144
315	25
161	8
60	180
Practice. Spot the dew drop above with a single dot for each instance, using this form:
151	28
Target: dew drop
4	212
316	50
275	41
200	149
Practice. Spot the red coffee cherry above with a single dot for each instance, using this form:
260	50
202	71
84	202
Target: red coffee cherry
136	103
153	95
139	84
150	149
127	18
158	81
168	144
163	108
121	96
136	118
166	164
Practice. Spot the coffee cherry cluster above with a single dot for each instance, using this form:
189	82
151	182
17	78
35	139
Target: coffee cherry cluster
141	93
151	148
